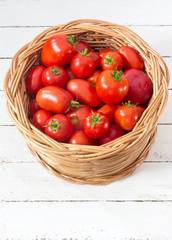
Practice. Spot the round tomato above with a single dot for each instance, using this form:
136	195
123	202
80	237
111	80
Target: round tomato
40	118
77	116
33	107
103	51
111	60
54	76
96	125
112	87
79	137
113	133
131	58
140	87
81	46
70	74
82	64
94	76
96	58
109	110
34	79
59	127
58	50
83	91
127	116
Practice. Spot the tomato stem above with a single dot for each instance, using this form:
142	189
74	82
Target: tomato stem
116	75
72	40
128	104
54	125
84	52
55	71
109	60
95	119
74	104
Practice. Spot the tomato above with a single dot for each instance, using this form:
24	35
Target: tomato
59	127
113	133
77	116
131	58
79	137
83	91
140	87
96	125
103	51
58	50
108	111
94	76
34	79
140	109
54	99
96	58
111	60
40	118
81	46
82	65
112	87
33	107
54	76
127	116
70	74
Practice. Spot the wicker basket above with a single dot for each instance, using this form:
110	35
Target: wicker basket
88	164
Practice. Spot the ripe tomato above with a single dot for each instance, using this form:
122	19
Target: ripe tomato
111	60
112	87
103	51
40	118
58	50
109	110
34	79
70	74
140	87
127	116
82	64
113	133
94	76
131	58
54	76
96	58
81	46
96	125
59	127
140	110
33	108
83	91
77	116
79	137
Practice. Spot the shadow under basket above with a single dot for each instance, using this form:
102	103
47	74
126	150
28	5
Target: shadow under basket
80	163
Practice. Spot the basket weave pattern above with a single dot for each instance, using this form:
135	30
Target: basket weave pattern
88	164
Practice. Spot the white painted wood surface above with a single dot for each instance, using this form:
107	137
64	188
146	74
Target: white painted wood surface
35	204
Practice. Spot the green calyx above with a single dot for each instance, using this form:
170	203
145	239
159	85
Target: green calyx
55	125
109	60
116	75
95	119
84	53
128	104
74	104
72	40
55	71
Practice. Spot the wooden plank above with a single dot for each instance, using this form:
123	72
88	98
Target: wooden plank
26	13
31	182
86	221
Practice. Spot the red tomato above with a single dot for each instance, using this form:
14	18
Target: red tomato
77	116
111	60
81	46
83	91
96	58
40	118
131	58
70	74
96	125
103	51
109	110
33	108
94	76
140	110
34	79
82	65
113	133
127	116
112	87
58	50
140	87
79	137
59	127
54	76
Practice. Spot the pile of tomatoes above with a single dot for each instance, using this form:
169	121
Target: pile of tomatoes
79	96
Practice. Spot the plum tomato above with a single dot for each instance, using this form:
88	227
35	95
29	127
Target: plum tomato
103	51
94	76
79	137
96	125
40	118
34	79
111	60
70	74
96	58
112	86
33	107
109	110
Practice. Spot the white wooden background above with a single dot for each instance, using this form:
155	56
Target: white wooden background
37	205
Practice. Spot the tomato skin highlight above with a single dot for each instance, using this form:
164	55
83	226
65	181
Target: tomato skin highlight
33	107
40	118
105	50
54	76
34	79
109	110
113	133
116	61
54	99
83	91
79	137
131	58
97	59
